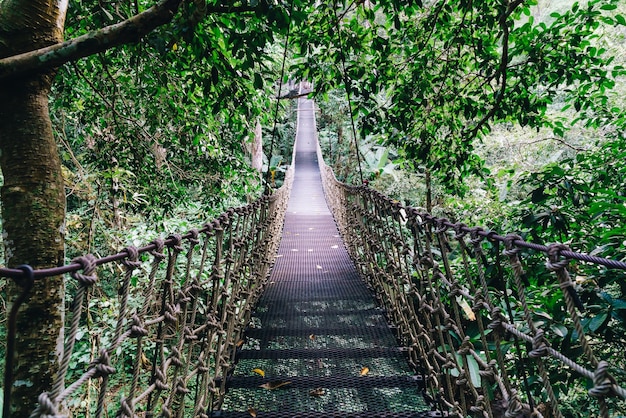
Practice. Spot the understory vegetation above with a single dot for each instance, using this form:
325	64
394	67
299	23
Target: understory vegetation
509	115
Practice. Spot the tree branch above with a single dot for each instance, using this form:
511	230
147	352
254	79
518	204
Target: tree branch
126	32
502	70
557	139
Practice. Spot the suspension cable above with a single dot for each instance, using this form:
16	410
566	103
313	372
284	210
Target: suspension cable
280	83
347	85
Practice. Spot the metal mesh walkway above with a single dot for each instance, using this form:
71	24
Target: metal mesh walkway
323	344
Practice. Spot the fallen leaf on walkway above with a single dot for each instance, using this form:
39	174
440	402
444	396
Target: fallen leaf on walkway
319	267
273	385
335	246
312	337
252	412
260	372
364	371
240	343
317	392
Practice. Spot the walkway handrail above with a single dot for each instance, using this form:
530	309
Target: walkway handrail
171	336
462	311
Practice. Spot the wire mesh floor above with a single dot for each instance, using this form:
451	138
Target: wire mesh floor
317	335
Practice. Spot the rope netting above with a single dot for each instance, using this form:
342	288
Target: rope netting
181	306
458	297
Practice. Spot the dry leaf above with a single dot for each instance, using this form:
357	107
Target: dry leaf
240	343
145	363
467	309
335	246
319	267
312	337
364	371
317	392
260	372
252	412
273	385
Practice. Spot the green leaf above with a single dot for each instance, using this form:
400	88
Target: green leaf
598	321
474	370
559	330
258	81
608	7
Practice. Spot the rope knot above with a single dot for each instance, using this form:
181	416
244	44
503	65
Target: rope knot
602	381
466	347
441	225
498	320
171	313
479	405
554	252
137	328
540	345
489	372
189	335
88	266
509	244
175	356
46	407
181	387
131	261
126	409
514	407
165	412
208	228
103	365
559	267
460	230
475	236
160	380
157	253
176	241
427	261
194	240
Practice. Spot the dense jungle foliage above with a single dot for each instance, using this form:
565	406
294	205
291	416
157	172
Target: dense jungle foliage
504	113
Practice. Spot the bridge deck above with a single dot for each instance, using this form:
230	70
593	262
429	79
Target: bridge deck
317	326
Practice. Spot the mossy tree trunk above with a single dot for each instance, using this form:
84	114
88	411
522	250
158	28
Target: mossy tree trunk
33	198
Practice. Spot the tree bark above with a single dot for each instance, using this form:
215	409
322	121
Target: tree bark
33	198
257	148
42	57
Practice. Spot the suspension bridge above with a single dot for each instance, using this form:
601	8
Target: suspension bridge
318	300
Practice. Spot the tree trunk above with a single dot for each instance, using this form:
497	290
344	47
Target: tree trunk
33	198
257	148
429	191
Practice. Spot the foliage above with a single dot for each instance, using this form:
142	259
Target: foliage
153	130
433	78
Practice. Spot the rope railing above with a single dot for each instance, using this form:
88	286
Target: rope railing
458	298
179	306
